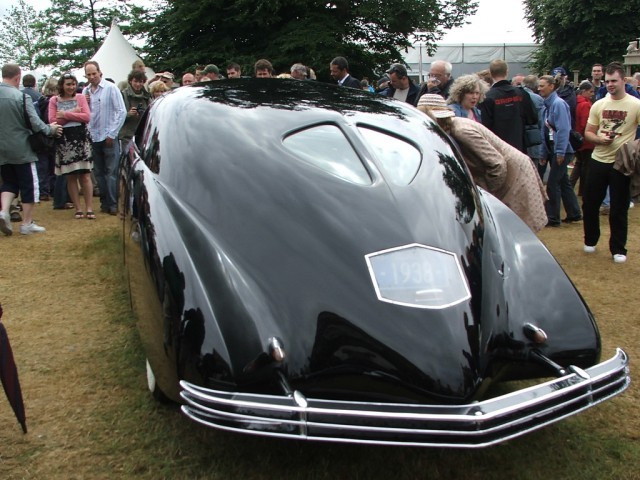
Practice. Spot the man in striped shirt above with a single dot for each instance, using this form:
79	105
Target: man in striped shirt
107	116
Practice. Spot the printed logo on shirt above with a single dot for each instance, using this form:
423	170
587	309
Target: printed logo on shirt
502	101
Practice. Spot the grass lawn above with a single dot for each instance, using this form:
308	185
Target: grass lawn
66	309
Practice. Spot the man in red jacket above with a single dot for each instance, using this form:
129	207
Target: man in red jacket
583	154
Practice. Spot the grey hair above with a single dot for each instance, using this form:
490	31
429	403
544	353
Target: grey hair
298	67
447	65
531	82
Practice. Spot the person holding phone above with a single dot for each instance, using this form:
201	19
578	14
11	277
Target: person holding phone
612	123
136	101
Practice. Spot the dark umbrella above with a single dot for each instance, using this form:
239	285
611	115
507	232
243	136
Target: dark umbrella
9	377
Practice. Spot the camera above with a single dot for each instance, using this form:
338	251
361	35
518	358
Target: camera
140	109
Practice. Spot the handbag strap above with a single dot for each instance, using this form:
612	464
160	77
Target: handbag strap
27	121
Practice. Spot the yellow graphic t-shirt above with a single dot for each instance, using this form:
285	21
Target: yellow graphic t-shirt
620	117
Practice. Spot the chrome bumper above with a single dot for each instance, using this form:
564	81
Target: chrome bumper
474	425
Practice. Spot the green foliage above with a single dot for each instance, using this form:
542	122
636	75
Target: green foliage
19	37
370	34
73	30
578	34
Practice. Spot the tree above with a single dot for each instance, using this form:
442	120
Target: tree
73	30
578	34
370	34
19	36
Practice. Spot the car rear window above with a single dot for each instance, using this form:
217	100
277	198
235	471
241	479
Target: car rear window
326	147
399	158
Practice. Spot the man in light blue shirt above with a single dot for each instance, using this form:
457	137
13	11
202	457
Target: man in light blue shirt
107	116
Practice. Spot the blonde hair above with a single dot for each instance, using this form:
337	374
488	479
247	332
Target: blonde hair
50	87
157	87
466	84
557	81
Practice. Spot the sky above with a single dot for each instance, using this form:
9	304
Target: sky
496	21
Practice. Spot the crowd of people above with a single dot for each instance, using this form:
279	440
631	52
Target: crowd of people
517	135
509	128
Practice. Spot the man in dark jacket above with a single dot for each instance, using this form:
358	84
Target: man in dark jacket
507	109
400	85
439	80
566	93
339	70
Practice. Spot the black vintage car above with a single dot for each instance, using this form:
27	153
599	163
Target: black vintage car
315	262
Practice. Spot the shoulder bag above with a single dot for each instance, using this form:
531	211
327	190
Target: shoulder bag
575	139
40	143
532	135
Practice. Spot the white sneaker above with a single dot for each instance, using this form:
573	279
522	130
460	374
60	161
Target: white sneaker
589	249
5	224
31	228
631	205
619	258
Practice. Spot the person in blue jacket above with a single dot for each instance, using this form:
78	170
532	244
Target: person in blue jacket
558	152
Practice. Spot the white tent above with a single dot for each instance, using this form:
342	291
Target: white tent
469	58
115	57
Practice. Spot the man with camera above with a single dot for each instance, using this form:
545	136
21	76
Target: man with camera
612	123
136	101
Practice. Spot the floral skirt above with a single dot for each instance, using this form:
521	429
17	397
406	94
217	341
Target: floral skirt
73	151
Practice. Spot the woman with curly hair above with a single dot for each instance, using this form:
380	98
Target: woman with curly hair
465	94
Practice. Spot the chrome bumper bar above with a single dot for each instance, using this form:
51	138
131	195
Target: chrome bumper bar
474	425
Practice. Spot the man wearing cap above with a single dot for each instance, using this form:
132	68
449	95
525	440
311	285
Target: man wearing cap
339	71
210	73
400	86
506	109
167	79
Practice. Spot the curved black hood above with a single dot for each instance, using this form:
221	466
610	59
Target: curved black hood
273	247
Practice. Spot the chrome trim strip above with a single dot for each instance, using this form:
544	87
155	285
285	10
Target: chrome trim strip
471	426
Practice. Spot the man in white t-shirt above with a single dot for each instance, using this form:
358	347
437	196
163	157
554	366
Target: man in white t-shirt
400	85
612	123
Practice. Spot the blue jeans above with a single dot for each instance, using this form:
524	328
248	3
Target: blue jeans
60	195
559	190
46	176
105	168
